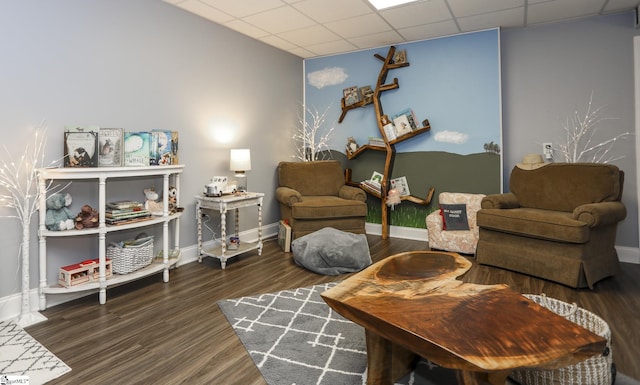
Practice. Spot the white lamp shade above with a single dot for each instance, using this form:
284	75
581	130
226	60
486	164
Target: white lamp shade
240	159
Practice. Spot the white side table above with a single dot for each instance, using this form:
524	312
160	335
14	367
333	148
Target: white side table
222	204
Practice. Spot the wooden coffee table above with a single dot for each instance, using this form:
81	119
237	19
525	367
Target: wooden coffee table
411	305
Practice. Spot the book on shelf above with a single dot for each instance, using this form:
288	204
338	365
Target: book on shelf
161	147
401	185
111	147
371	186
130	214
121	205
137	148
411	118
376	142
80	146
111	221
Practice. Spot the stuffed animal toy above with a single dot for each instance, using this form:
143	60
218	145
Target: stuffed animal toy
173	199
58	216
352	146
151	202
393	198
87	218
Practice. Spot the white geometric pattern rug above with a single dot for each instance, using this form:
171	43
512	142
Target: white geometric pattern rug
23	357
293	337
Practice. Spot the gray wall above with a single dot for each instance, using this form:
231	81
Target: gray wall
145	64
550	71
140	65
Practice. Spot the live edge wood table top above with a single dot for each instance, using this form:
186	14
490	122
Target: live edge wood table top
411	304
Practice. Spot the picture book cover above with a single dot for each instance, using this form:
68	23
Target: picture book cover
137	147
162	151
80	146
110	143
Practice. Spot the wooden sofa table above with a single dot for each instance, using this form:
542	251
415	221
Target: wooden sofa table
411	305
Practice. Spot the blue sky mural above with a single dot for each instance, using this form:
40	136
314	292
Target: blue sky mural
453	81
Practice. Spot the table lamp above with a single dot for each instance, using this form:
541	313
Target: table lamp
240	161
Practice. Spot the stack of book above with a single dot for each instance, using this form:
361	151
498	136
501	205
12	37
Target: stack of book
371	185
117	213
376	142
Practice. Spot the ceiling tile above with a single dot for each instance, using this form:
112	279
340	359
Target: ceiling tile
462	8
377	39
561	10
301	52
507	19
246	28
280	20
417	14
277	42
616	5
324	11
331	48
428	31
310	36
245	7
359	26
195	6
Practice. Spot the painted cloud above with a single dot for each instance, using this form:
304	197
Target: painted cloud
327	77
451	137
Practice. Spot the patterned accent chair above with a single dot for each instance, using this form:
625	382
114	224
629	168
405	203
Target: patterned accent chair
459	241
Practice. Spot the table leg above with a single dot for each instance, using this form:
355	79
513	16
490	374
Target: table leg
223	234
479	378
199	223
387	362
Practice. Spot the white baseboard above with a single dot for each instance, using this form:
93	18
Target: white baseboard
10	305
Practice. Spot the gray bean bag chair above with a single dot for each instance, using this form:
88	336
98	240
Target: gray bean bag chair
330	251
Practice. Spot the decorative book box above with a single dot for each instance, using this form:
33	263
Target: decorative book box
83	272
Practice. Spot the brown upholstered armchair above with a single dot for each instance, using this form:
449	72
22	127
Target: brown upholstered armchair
558	222
313	195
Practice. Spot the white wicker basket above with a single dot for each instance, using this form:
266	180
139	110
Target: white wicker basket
597	370
131	255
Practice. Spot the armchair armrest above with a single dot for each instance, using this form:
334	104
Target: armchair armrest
600	214
500	201
288	196
352	193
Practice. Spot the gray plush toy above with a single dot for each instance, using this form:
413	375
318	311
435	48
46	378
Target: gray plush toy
58	216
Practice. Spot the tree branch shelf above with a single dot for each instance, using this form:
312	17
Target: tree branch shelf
389	147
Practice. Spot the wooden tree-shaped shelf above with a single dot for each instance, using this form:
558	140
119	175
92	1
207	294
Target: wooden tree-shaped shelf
389	148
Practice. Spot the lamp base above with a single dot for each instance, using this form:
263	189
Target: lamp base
241	182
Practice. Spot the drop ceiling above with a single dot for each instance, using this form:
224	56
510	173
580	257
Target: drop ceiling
311	28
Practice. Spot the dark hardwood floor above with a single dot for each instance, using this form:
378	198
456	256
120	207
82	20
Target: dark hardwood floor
150	332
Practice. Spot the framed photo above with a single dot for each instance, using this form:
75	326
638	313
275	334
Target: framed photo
367	94
400	57
351	95
111	147
80	146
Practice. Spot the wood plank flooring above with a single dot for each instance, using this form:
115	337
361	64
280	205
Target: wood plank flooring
150	332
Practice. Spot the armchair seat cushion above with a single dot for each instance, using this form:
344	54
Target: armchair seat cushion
319	207
536	223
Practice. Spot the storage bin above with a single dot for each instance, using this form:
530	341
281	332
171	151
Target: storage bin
127	257
597	370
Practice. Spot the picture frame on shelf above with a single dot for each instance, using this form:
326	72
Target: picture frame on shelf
351	95
80	146
400	56
377	177
367	94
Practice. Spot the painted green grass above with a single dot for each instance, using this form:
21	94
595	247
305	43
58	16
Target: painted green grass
406	214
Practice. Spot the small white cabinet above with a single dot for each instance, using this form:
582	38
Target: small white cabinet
101	176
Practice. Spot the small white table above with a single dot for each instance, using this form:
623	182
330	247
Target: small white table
222	204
